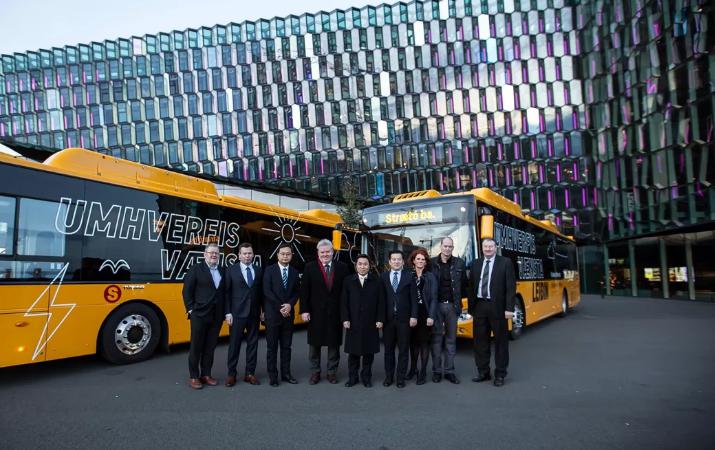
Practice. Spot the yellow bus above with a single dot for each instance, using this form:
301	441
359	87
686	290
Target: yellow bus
545	261
93	251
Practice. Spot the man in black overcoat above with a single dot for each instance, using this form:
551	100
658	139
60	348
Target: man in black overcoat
321	287
363	313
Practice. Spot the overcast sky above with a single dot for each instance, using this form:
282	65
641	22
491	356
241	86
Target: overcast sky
35	24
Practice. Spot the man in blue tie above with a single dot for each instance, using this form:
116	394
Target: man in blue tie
243	300
281	285
400	316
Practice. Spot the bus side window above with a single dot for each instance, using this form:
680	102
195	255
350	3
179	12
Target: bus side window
37	233
7	226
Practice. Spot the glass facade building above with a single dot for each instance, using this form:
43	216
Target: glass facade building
595	114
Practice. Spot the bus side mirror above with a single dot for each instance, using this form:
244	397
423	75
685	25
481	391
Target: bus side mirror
337	239
486	227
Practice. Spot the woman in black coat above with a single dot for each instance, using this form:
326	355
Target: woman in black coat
427	291
363	313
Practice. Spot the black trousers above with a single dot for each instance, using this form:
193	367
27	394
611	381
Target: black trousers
482	328
204	337
279	335
250	325
396	335
354	365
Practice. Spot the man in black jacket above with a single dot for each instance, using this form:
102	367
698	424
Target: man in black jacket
400	316
243	298
451	274
491	298
280	294
203	294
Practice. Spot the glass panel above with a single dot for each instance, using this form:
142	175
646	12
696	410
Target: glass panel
38	236
7	225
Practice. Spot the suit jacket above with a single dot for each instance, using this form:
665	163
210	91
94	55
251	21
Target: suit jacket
502	289
405	299
323	303
241	301
201	295
363	306
430	293
275	294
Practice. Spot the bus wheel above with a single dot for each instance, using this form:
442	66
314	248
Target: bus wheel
130	334
564	304
518	323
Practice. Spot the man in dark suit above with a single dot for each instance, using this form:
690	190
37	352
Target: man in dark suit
243	299
363	313
203	294
280	294
400	315
321	287
491	298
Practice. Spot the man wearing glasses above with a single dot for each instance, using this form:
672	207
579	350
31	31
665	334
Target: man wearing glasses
203	294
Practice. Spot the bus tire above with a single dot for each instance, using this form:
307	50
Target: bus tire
564	304
131	334
518	323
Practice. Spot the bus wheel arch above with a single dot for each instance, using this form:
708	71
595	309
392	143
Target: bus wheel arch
564	303
131	333
518	323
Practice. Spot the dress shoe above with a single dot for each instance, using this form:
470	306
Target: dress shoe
207	379
367	383
452	378
195	383
420	379
230	380
332	378
350	383
498	381
436	377
400	384
410	375
387	382
482	377
315	378
289	379
274	382
251	379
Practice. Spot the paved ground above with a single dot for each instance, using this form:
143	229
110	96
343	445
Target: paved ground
617	372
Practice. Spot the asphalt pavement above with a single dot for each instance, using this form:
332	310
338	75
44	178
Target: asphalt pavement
615	373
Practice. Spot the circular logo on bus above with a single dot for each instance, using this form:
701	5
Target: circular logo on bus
112	293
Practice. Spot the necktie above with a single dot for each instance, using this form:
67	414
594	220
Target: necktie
249	276
285	278
394	281
362	281
327	271
485	280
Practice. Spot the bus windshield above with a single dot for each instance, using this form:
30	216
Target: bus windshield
406	228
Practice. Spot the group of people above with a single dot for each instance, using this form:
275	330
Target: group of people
417	311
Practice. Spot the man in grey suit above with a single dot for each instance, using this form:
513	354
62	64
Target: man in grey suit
243	303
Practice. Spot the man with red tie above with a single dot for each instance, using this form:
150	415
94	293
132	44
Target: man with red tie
321	287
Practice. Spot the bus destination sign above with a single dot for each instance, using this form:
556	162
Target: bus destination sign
413	216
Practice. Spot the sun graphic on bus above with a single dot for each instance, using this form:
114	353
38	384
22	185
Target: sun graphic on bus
287	231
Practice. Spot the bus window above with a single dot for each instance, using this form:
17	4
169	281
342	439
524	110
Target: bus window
7	225
37	234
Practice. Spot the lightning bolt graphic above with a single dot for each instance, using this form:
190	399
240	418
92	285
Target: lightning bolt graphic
42	342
